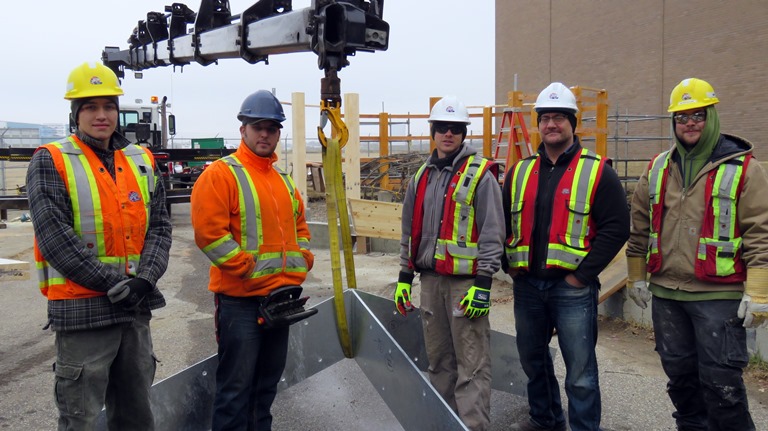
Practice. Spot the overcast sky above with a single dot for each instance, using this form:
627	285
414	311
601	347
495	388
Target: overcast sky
436	47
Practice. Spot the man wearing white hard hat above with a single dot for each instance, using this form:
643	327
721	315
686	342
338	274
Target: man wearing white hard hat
566	218
452	234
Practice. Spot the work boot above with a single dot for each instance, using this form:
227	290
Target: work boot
530	425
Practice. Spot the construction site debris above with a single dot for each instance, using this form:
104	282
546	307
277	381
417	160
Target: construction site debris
388	176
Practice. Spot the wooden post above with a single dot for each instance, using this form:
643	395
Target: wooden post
384	147
352	159
352	149
577	92
299	151
432	101
601	139
488	132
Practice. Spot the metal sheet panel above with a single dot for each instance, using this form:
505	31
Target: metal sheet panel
407	331
389	349
184	401
506	372
313	345
407	392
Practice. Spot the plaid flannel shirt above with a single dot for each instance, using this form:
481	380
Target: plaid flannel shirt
53	220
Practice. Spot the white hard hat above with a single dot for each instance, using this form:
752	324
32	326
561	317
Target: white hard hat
449	109
558	97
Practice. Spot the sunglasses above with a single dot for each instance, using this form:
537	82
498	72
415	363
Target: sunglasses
456	129
696	117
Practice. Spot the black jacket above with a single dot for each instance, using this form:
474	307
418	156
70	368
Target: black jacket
610	214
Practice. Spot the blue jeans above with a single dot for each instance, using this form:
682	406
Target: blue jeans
542	306
703	350
251	362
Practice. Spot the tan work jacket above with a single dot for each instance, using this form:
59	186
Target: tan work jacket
683	218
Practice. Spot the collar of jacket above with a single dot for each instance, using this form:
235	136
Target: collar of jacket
564	158
463	151
116	142
728	146
250	158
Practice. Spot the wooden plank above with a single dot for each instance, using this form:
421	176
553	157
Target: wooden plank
614	276
376	219
13	270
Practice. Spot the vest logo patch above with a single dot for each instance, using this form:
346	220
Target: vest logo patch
565	191
134	197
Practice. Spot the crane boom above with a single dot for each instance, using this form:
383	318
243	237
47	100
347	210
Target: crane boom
333	29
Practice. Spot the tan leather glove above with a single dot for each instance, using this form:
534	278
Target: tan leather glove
637	286
754	303
638	291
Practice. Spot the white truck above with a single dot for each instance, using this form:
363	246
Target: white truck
148	124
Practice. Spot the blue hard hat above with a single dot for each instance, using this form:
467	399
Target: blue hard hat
261	105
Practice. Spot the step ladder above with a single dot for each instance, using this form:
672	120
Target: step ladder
513	142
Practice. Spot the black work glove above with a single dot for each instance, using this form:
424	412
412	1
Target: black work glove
128	294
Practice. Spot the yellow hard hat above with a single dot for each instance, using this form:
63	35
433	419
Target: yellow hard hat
691	93
92	80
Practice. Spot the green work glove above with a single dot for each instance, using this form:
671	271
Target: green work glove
477	301
403	293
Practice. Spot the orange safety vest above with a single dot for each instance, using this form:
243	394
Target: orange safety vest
268	262
718	258
572	228
456	251
111	217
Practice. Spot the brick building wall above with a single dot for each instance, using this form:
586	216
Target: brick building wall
638	50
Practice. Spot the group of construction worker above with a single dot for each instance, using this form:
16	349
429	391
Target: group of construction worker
103	239
698	227
696	240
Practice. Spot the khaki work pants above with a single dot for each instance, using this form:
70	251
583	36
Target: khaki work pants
458	350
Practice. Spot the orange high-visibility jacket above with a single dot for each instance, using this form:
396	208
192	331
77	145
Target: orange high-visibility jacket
275	249
110	216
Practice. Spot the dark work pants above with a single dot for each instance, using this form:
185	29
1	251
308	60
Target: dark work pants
703	350
251	362
112	366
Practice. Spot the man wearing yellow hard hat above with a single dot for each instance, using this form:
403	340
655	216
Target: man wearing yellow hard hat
700	230
102	240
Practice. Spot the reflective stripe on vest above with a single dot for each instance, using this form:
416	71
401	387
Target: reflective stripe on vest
88	217
657	184
571	228
518	254
718	256
251	227
456	249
